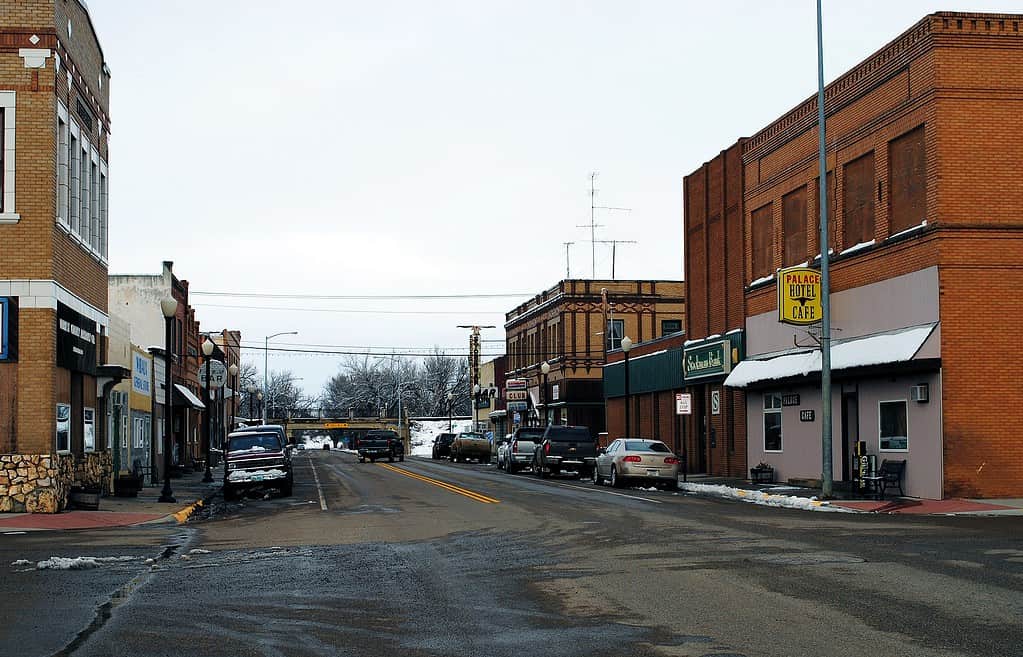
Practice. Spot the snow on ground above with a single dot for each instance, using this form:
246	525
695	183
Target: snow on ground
316	442
763	498
72	563
422	433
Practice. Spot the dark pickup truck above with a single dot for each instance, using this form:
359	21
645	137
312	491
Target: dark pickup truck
565	448
379	444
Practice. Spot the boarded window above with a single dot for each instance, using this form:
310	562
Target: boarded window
907	170
832	196
859	201
763	240
793	222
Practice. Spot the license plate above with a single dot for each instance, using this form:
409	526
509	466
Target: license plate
257	477
652	473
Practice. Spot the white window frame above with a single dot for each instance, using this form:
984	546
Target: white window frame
88	423
56	433
905	406
94	223
63	167
772	409
75	169
8	202
84	217
104	209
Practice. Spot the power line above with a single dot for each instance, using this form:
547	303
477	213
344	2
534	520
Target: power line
350	310
361	297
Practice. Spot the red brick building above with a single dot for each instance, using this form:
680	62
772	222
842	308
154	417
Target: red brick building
923	152
54	126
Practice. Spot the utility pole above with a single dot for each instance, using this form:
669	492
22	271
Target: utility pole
593	225
614	248
568	269
474	354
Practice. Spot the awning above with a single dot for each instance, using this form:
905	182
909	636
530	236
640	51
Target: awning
880	349
497	415
184	397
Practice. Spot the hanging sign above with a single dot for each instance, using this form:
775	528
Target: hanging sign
683	403
218	374
799	296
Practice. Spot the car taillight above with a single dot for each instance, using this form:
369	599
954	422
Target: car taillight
515	445
546	448
632	459
671	460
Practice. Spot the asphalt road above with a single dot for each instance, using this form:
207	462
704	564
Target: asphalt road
432	558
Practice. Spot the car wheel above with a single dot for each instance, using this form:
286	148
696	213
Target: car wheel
362	460
401	458
671	485
510	468
544	473
390	458
597	481
286	489
616	481
230	494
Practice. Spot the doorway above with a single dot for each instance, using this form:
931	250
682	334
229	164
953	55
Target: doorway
850	429
699	418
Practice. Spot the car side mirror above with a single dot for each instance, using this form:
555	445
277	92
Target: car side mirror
601	450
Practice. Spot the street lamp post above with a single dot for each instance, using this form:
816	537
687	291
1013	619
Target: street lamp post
169	308
252	401
451	401
233	371
626	347
545	369
266	360
260	409
475	405
207	352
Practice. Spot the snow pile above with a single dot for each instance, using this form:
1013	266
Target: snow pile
422	433
318	441
21	562
763	498
77	563
198	551
256	475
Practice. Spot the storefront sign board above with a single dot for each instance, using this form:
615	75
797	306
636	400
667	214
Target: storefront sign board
799	296
713	359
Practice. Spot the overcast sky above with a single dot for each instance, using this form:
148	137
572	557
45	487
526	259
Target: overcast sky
329	147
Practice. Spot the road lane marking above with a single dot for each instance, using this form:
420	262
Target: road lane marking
607	492
319	489
443	484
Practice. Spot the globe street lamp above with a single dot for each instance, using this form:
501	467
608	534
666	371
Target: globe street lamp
169	308
207	352
451	400
545	369
626	347
252	400
266	358
260	409
233	371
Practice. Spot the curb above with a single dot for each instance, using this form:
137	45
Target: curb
182	515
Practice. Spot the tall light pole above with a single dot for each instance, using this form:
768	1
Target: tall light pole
252	400
233	371
545	369
626	347
451	401
825	272
266	360
207	352
260	409
169	308
475	403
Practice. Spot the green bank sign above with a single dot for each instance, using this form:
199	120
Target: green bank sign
708	359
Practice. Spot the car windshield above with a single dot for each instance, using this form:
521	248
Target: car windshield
570	435
256	442
531	435
473	436
645	446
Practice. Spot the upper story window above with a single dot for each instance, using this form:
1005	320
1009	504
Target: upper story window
762	236
669	326
832	216
907	181
8	208
859	201
615	333
793	221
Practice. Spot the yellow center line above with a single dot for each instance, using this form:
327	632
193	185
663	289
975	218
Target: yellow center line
443	484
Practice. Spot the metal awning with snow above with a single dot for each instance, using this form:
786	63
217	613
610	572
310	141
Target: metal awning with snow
184	397
880	349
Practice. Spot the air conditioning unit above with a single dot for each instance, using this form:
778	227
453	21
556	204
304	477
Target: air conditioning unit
918	393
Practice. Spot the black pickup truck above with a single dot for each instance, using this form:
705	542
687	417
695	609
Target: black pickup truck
379	444
565	448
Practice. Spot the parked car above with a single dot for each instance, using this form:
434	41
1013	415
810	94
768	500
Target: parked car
518	452
379	444
634	459
470	445
565	448
264	428
256	459
442	445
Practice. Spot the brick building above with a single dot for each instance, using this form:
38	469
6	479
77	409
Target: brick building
572	326
923	157
55	113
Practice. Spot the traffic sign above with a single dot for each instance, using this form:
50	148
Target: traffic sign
218	374
683	403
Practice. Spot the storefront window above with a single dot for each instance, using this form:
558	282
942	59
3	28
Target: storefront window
772	422
894	427
63	427
89	435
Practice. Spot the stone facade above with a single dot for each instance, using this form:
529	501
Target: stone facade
35	483
94	470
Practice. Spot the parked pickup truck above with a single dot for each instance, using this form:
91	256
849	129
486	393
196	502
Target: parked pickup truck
517	453
470	445
256	459
565	448
380	444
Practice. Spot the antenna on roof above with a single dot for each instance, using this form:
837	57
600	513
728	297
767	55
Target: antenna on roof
593	225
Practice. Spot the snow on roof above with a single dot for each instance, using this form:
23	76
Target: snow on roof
890	347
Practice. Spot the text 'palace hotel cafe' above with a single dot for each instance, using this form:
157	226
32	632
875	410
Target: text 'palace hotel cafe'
925	206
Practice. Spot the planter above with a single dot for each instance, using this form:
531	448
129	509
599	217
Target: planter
85	498
762	475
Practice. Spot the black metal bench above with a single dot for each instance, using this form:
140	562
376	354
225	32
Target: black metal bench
889	475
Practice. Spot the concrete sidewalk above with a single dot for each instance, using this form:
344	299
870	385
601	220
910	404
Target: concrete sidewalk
855	501
189	491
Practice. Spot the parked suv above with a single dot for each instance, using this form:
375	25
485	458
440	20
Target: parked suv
565	448
442	445
517	453
256	459
379	444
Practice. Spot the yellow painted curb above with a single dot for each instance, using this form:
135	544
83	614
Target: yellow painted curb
183	515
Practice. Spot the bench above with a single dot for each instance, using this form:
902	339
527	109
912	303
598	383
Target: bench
889	475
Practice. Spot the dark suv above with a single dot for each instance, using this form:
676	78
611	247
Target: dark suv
565	448
442	445
378	444
256	459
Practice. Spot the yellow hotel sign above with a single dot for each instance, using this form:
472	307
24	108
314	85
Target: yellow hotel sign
799	296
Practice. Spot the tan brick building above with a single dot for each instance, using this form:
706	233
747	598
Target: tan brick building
572	326
924	149
54	110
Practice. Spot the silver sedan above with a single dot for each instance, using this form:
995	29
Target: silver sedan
635	459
